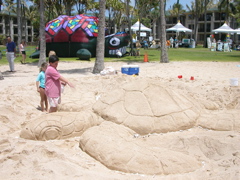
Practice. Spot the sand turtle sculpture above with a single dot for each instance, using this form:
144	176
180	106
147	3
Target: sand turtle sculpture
110	132
71	36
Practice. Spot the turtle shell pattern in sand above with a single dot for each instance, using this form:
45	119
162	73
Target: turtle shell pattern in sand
148	108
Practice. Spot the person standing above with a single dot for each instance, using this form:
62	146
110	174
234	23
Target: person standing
145	44
138	46
53	83
11	53
22	50
171	41
176	42
40	82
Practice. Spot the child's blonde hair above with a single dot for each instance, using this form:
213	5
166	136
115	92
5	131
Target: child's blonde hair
44	64
51	53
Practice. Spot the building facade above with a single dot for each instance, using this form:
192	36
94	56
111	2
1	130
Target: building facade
9	27
214	19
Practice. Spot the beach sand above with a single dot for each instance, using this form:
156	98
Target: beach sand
214	145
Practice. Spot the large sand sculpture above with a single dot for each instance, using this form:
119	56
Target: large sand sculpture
151	126
135	109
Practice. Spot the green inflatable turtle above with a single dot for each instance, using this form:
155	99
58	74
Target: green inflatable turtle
71	36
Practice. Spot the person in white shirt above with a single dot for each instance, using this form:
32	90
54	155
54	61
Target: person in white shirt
23	52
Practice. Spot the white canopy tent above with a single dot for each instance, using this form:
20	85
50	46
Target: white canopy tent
135	27
237	30
179	28
224	29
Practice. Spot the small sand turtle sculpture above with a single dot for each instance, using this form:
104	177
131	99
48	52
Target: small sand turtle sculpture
109	132
71	36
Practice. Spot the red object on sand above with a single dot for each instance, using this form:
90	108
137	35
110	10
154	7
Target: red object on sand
145	57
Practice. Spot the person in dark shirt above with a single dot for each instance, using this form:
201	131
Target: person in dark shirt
11	53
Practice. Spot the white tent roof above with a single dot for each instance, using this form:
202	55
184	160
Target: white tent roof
224	29
135	27
179	28
237	30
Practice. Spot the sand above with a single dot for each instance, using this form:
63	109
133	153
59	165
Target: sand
214	146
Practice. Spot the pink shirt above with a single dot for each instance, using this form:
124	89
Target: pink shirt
52	84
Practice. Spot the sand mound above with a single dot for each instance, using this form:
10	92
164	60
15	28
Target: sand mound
115	147
201	125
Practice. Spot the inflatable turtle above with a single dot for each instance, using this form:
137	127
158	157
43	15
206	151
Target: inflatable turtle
71	36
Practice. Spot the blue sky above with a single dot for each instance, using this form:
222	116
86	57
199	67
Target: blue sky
183	2
169	3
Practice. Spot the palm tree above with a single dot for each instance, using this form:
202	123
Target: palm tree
191	9
236	15
33	15
81	6
68	5
128	14
198	10
19	17
154	16
144	7
228	6
164	53
99	62
42	57
177	10
205	22
115	10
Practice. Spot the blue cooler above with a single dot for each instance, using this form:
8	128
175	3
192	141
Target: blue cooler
130	69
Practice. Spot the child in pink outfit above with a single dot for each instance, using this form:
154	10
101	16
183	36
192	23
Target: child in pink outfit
53	83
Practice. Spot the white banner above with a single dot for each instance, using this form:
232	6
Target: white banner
143	34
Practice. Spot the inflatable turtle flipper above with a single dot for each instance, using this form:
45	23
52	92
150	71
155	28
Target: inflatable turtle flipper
36	54
84	54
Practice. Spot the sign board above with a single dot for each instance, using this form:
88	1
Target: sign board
143	34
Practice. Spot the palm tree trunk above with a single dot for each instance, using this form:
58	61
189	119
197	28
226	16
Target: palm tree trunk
164	53
127	2
42	57
99	62
19	17
205	23
196	21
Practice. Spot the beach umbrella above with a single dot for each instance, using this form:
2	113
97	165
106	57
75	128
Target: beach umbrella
179	28
224	29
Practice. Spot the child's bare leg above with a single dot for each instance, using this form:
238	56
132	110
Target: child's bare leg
42	95
24	58
52	109
46	102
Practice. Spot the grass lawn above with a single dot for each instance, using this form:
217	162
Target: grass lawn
180	54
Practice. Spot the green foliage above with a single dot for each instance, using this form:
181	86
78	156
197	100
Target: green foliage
2	39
